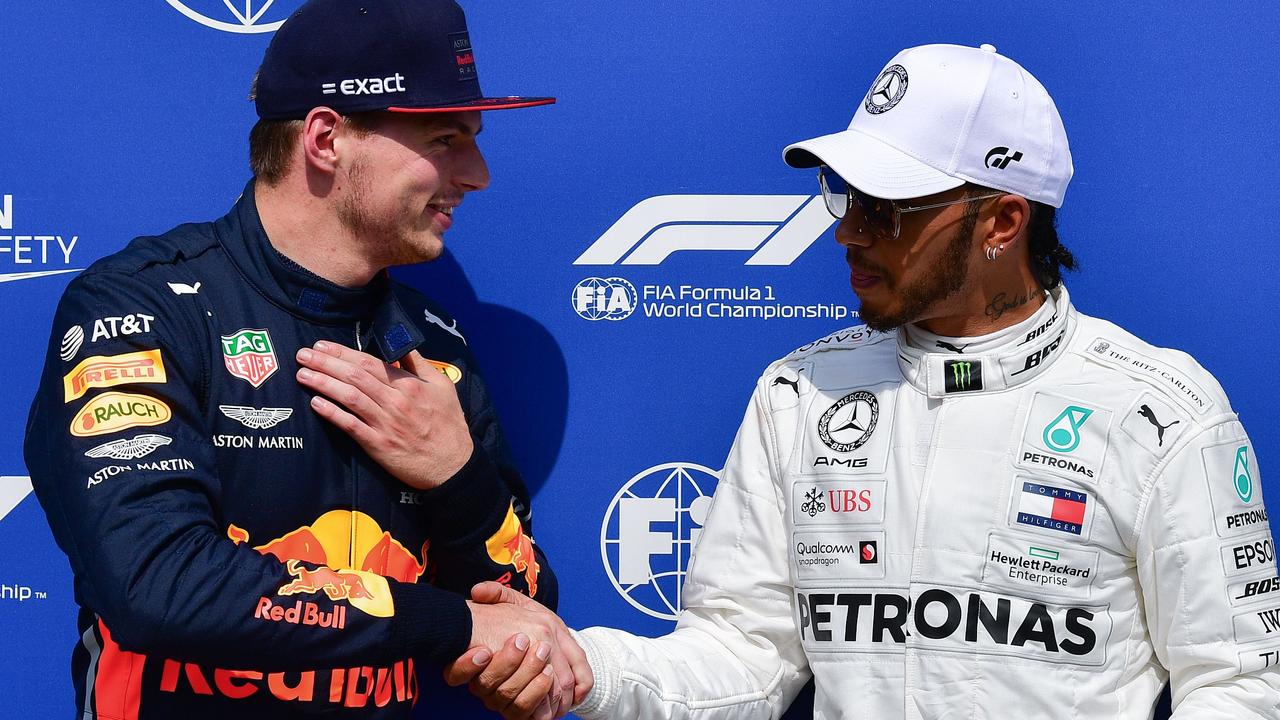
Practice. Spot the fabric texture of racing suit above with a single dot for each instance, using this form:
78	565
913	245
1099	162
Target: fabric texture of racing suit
234	554
1052	521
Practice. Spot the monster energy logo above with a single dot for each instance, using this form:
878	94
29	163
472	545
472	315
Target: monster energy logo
962	376
1244	481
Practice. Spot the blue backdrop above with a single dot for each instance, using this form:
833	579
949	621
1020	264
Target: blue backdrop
127	118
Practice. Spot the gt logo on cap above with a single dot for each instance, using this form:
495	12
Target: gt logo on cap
366	86
998	158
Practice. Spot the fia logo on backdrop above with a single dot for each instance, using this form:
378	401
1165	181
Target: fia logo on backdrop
237	16
649	533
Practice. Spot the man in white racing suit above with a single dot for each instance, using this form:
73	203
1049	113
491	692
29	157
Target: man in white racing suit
982	503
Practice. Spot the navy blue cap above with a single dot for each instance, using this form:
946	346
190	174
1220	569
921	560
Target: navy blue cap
412	56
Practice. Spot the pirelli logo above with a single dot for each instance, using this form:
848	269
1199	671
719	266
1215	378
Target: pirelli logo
105	371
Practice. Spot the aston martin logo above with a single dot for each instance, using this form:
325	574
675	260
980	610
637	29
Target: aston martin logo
256	418
237	16
131	449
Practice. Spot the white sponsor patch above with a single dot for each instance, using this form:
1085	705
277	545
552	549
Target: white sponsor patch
72	340
1052	508
184	289
1065	437
837	502
847	432
1256	590
131	449
1135	364
1235	491
951	619
1047	568
1257	624
1249	555
1255	660
256	418
833	555
1154	424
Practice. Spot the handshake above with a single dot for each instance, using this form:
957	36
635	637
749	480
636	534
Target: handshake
523	663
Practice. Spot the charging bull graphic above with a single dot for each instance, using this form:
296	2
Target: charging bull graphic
510	546
354	555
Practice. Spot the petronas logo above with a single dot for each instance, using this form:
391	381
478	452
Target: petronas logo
1244	481
1062	434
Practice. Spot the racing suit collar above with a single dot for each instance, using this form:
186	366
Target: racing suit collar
373	309
991	363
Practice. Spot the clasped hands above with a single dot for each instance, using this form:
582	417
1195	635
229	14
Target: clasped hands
523	662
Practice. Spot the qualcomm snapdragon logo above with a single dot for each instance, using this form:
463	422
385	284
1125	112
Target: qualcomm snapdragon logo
237	16
776	228
650	531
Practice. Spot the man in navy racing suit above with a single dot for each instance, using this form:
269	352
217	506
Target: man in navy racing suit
275	471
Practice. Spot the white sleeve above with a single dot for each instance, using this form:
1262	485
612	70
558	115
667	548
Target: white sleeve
735	653
1206	561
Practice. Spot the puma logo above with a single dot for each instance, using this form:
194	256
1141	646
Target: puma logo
795	384
1145	411
948	346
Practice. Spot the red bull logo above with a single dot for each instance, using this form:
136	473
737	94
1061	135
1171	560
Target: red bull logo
354	557
337	584
510	546
354	687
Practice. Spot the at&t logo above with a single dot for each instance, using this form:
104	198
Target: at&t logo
611	298
237	16
649	533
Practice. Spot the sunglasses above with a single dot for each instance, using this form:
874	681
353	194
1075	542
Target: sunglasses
883	217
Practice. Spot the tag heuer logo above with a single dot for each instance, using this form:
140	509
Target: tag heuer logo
256	418
249	355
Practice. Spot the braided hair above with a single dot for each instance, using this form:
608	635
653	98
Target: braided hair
1048	256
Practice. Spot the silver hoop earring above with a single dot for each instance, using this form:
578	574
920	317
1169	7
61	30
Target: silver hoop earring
991	253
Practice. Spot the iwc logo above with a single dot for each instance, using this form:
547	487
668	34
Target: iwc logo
887	90
241	16
847	425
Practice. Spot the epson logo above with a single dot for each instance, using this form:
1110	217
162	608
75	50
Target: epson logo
961	621
365	86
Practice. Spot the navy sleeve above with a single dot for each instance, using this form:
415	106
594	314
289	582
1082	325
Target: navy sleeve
481	519
140	532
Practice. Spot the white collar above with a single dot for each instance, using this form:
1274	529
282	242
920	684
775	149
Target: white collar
1007	357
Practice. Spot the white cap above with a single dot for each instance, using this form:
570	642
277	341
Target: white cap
940	115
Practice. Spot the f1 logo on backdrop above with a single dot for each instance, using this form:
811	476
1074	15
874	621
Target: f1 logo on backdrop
237	16
649	533
779	228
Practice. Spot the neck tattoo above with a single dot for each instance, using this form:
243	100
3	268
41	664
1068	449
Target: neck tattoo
1002	303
